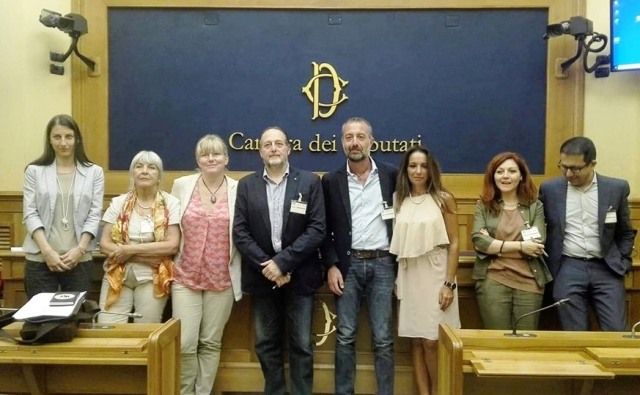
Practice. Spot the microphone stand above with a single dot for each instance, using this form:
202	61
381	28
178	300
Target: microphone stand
633	332
515	324
95	325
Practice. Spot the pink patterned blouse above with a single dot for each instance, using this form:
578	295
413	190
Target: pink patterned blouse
204	264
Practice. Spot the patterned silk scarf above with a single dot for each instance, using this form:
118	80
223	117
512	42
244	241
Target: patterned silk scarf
163	273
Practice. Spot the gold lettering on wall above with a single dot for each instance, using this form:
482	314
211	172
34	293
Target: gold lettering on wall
312	90
317	145
395	145
239	142
329	324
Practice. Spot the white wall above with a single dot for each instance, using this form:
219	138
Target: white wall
30	96
612	112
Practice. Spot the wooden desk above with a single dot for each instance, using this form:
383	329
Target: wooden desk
127	359
239	367
460	349
621	361
508	363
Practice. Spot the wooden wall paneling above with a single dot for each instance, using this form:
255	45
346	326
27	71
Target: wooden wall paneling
6	235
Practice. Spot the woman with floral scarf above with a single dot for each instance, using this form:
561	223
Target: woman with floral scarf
140	236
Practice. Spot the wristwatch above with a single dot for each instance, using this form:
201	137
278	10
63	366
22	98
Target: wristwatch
450	285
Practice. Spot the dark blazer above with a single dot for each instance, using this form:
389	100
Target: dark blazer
616	239
337	246
302	234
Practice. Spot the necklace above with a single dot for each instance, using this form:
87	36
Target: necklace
363	176
414	202
65	205
213	194
144	207
510	205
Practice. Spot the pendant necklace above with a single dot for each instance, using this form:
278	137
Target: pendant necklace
65	205
414	202
213	194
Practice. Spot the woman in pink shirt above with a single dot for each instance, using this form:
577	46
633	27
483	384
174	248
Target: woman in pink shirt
207	268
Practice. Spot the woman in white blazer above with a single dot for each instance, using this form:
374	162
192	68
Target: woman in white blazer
207	268
62	205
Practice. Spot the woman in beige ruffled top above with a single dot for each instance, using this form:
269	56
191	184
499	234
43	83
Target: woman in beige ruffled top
425	239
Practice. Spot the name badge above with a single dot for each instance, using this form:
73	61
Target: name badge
298	207
146	226
611	217
531	233
387	212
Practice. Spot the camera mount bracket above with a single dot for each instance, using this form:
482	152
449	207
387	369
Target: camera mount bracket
58	57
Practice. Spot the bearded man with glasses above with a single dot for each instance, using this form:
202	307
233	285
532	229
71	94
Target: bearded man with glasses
589	239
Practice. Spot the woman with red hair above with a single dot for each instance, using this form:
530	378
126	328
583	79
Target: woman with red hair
508	236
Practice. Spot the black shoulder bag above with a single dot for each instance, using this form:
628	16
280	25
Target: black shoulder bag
53	331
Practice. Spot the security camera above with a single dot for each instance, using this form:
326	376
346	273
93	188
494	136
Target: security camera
581	28
49	18
577	26
73	24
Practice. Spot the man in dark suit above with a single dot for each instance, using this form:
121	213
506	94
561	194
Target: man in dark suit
589	239
279	225
358	198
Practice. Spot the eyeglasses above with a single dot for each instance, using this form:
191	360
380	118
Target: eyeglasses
574	169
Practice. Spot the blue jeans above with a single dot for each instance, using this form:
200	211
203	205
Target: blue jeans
38	278
590	284
270	315
373	280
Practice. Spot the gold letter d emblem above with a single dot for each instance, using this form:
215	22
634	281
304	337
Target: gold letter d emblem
312	90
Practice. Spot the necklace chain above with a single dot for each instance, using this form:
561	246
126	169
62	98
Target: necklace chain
362	176
65	204
415	202
144	207
213	194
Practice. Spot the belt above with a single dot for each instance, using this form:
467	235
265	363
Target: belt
370	254
584	259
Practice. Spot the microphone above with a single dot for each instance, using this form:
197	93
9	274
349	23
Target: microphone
95	318
515	324
633	332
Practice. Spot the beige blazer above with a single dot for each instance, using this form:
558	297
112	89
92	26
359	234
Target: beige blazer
182	189
39	202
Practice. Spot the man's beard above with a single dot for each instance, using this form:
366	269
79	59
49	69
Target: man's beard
275	161
357	156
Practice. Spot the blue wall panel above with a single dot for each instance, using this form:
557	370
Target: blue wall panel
470	83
